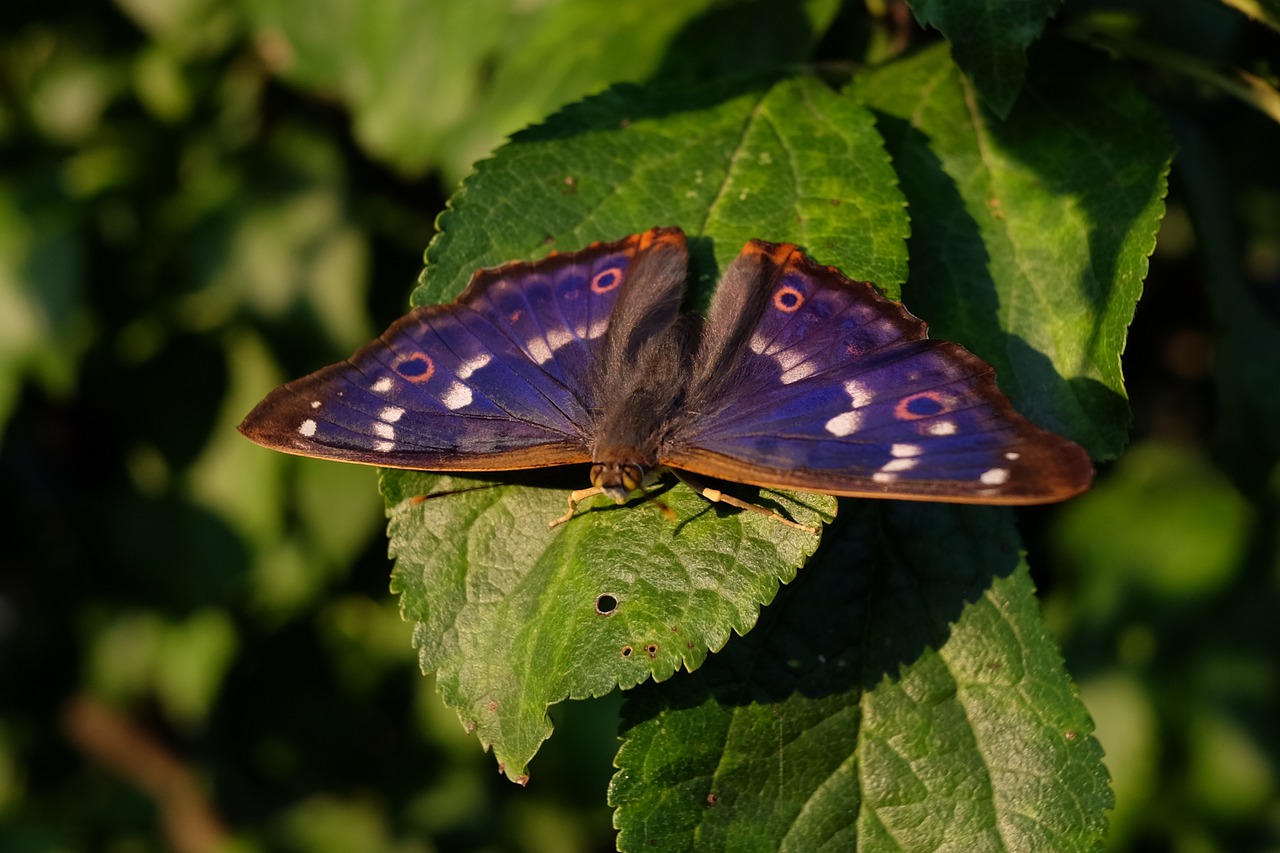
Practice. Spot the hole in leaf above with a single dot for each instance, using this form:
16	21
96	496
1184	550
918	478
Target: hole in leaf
651	650
626	651
606	604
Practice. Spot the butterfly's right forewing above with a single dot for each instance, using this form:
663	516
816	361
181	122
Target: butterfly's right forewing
810	380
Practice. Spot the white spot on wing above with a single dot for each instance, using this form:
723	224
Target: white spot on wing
382	430
558	338
473	364
597	328
845	423
905	450
994	477
794	374
307	428
315	404
383	385
884	477
848	422
1013	456
384	446
794	366
758	343
941	428
456	396
538	351
391	414
899	465
859	396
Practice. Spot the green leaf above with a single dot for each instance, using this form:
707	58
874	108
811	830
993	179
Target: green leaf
442	84
409	70
902	694
507	608
789	160
515	616
1030	237
989	39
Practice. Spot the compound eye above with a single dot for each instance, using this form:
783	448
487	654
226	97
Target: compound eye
632	477
597	474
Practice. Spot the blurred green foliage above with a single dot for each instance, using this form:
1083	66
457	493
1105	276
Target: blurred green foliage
201	198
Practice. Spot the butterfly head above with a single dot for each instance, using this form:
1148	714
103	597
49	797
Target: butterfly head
618	479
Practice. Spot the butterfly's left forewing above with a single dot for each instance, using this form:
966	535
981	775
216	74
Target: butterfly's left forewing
497	380
830	387
556	311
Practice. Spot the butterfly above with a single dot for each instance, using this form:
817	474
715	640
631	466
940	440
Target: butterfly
797	378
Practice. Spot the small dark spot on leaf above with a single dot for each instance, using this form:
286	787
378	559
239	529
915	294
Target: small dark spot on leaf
502	768
626	651
492	706
522	780
651	650
469	727
712	799
994	666
570	185
1070	734
835	202
689	644
626	122
675	629
606	604
548	240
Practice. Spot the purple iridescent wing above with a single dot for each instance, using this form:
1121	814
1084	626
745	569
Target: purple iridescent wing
497	380
809	380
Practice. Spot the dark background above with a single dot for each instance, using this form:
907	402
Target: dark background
197	645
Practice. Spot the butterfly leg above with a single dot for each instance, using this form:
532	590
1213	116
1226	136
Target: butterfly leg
576	498
582	494
717	496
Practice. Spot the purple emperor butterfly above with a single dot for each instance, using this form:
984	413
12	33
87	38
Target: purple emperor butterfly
798	378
